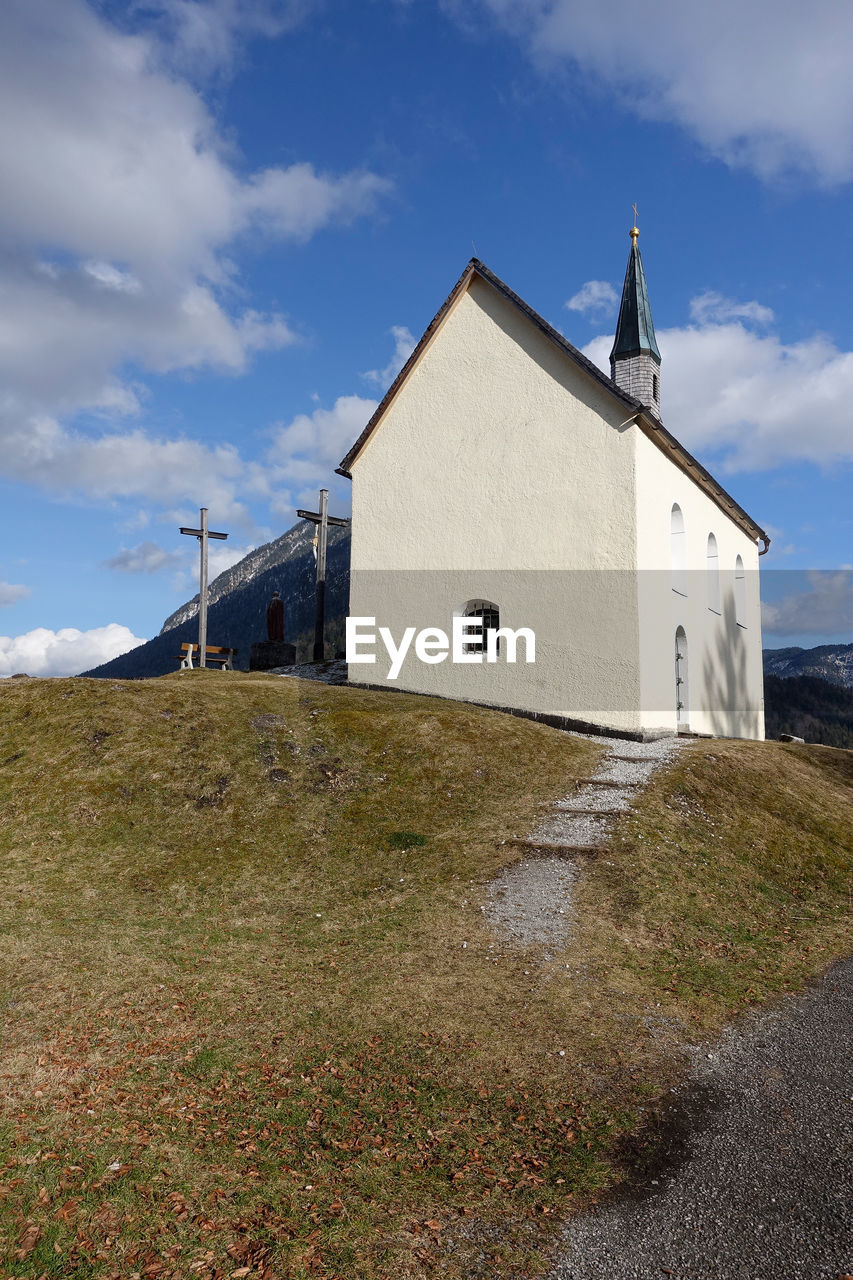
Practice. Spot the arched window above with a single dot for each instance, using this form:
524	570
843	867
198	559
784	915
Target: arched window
712	574
678	551
655	388
740	592
489	612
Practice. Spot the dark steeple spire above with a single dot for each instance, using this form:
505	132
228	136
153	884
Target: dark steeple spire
635	359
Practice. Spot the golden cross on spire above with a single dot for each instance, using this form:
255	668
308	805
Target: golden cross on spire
635	230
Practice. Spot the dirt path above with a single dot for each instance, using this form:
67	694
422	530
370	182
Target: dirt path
530	902
762	1188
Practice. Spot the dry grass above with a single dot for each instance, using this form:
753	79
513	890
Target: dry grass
731	881
242	1030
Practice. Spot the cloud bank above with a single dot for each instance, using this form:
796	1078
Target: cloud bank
64	653
764	86
823	608
304	453
746	397
122	203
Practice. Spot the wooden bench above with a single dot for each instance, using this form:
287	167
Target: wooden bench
212	653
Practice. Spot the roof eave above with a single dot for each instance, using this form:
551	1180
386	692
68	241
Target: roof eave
429	333
654	429
475	267
650	425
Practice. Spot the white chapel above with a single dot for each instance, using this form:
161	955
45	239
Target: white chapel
504	476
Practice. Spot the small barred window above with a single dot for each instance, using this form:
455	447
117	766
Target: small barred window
490	614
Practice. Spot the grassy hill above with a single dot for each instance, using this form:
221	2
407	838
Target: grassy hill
243	1034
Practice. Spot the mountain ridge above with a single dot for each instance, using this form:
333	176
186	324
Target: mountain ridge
237	605
832	662
296	540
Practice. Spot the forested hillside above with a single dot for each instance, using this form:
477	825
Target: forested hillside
811	708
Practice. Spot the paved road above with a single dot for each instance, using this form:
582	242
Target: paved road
761	1188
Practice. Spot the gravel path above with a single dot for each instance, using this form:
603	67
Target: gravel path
616	766
762	1188
530	902
332	672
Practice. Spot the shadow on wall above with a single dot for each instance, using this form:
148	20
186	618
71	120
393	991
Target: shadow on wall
731	712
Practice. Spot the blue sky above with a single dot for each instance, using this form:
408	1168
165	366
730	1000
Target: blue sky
225	221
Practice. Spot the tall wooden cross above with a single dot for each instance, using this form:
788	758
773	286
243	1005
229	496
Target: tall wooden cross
203	534
322	520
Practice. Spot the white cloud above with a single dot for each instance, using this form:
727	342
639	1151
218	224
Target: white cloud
749	398
764	85
222	555
714	308
145	557
179	473
824	608
206	36
304	454
404	345
64	653
294	202
109	158
121	204
11	593
596	298
109	276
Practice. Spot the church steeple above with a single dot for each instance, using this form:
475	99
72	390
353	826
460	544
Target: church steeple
635	359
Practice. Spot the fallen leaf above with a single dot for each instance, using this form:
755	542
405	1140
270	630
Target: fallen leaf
68	1210
27	1240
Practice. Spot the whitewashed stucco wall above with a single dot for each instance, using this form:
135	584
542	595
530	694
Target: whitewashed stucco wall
724	670
497	453
503	472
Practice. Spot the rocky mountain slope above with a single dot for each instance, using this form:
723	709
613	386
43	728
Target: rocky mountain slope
832	662
295	542
238	600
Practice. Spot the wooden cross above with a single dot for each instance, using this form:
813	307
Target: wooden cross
203	534
322	519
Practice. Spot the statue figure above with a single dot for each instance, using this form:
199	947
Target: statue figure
275	618
274	652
